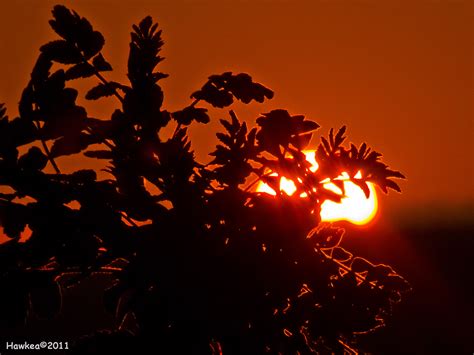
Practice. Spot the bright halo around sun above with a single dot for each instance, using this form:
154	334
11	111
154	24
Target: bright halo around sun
355	207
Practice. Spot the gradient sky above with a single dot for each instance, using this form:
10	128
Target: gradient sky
398	73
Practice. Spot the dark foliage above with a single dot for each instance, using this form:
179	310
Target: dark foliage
206	264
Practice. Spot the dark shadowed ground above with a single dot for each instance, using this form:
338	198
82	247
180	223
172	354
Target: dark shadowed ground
435	318
436	258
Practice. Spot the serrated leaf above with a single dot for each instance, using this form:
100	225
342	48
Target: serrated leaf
227	125
158	76
216	97
190	113
77	31
100	90
100	63
64	22
144	26
224	138
339	139
62	52
239	86
307	126
81	70
362	150
145	46
392	185
91	43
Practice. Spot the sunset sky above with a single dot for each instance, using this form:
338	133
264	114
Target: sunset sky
398	73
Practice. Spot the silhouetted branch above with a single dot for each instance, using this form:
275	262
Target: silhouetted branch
48	152
106	82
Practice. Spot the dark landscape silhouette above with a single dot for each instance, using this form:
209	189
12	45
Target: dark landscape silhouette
200	262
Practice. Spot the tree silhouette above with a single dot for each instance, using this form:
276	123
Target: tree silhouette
203	264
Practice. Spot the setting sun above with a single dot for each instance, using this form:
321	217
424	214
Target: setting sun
355	207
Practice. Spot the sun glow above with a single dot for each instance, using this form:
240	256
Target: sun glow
355	207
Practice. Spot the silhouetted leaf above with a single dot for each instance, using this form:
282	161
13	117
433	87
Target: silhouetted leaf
278	128
363	185
393	185
333	159
34	159
64	23
81	70
220	90
101	90
238	147
100	63
190	113
77	31
339	137
41	70
243	88
213	95
145	47
17	132
62	52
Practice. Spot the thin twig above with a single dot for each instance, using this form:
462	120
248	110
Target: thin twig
105	82
129	220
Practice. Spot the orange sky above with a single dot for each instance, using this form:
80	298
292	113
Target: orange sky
398	73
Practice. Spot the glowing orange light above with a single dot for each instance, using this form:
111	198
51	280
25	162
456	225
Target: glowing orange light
355	207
